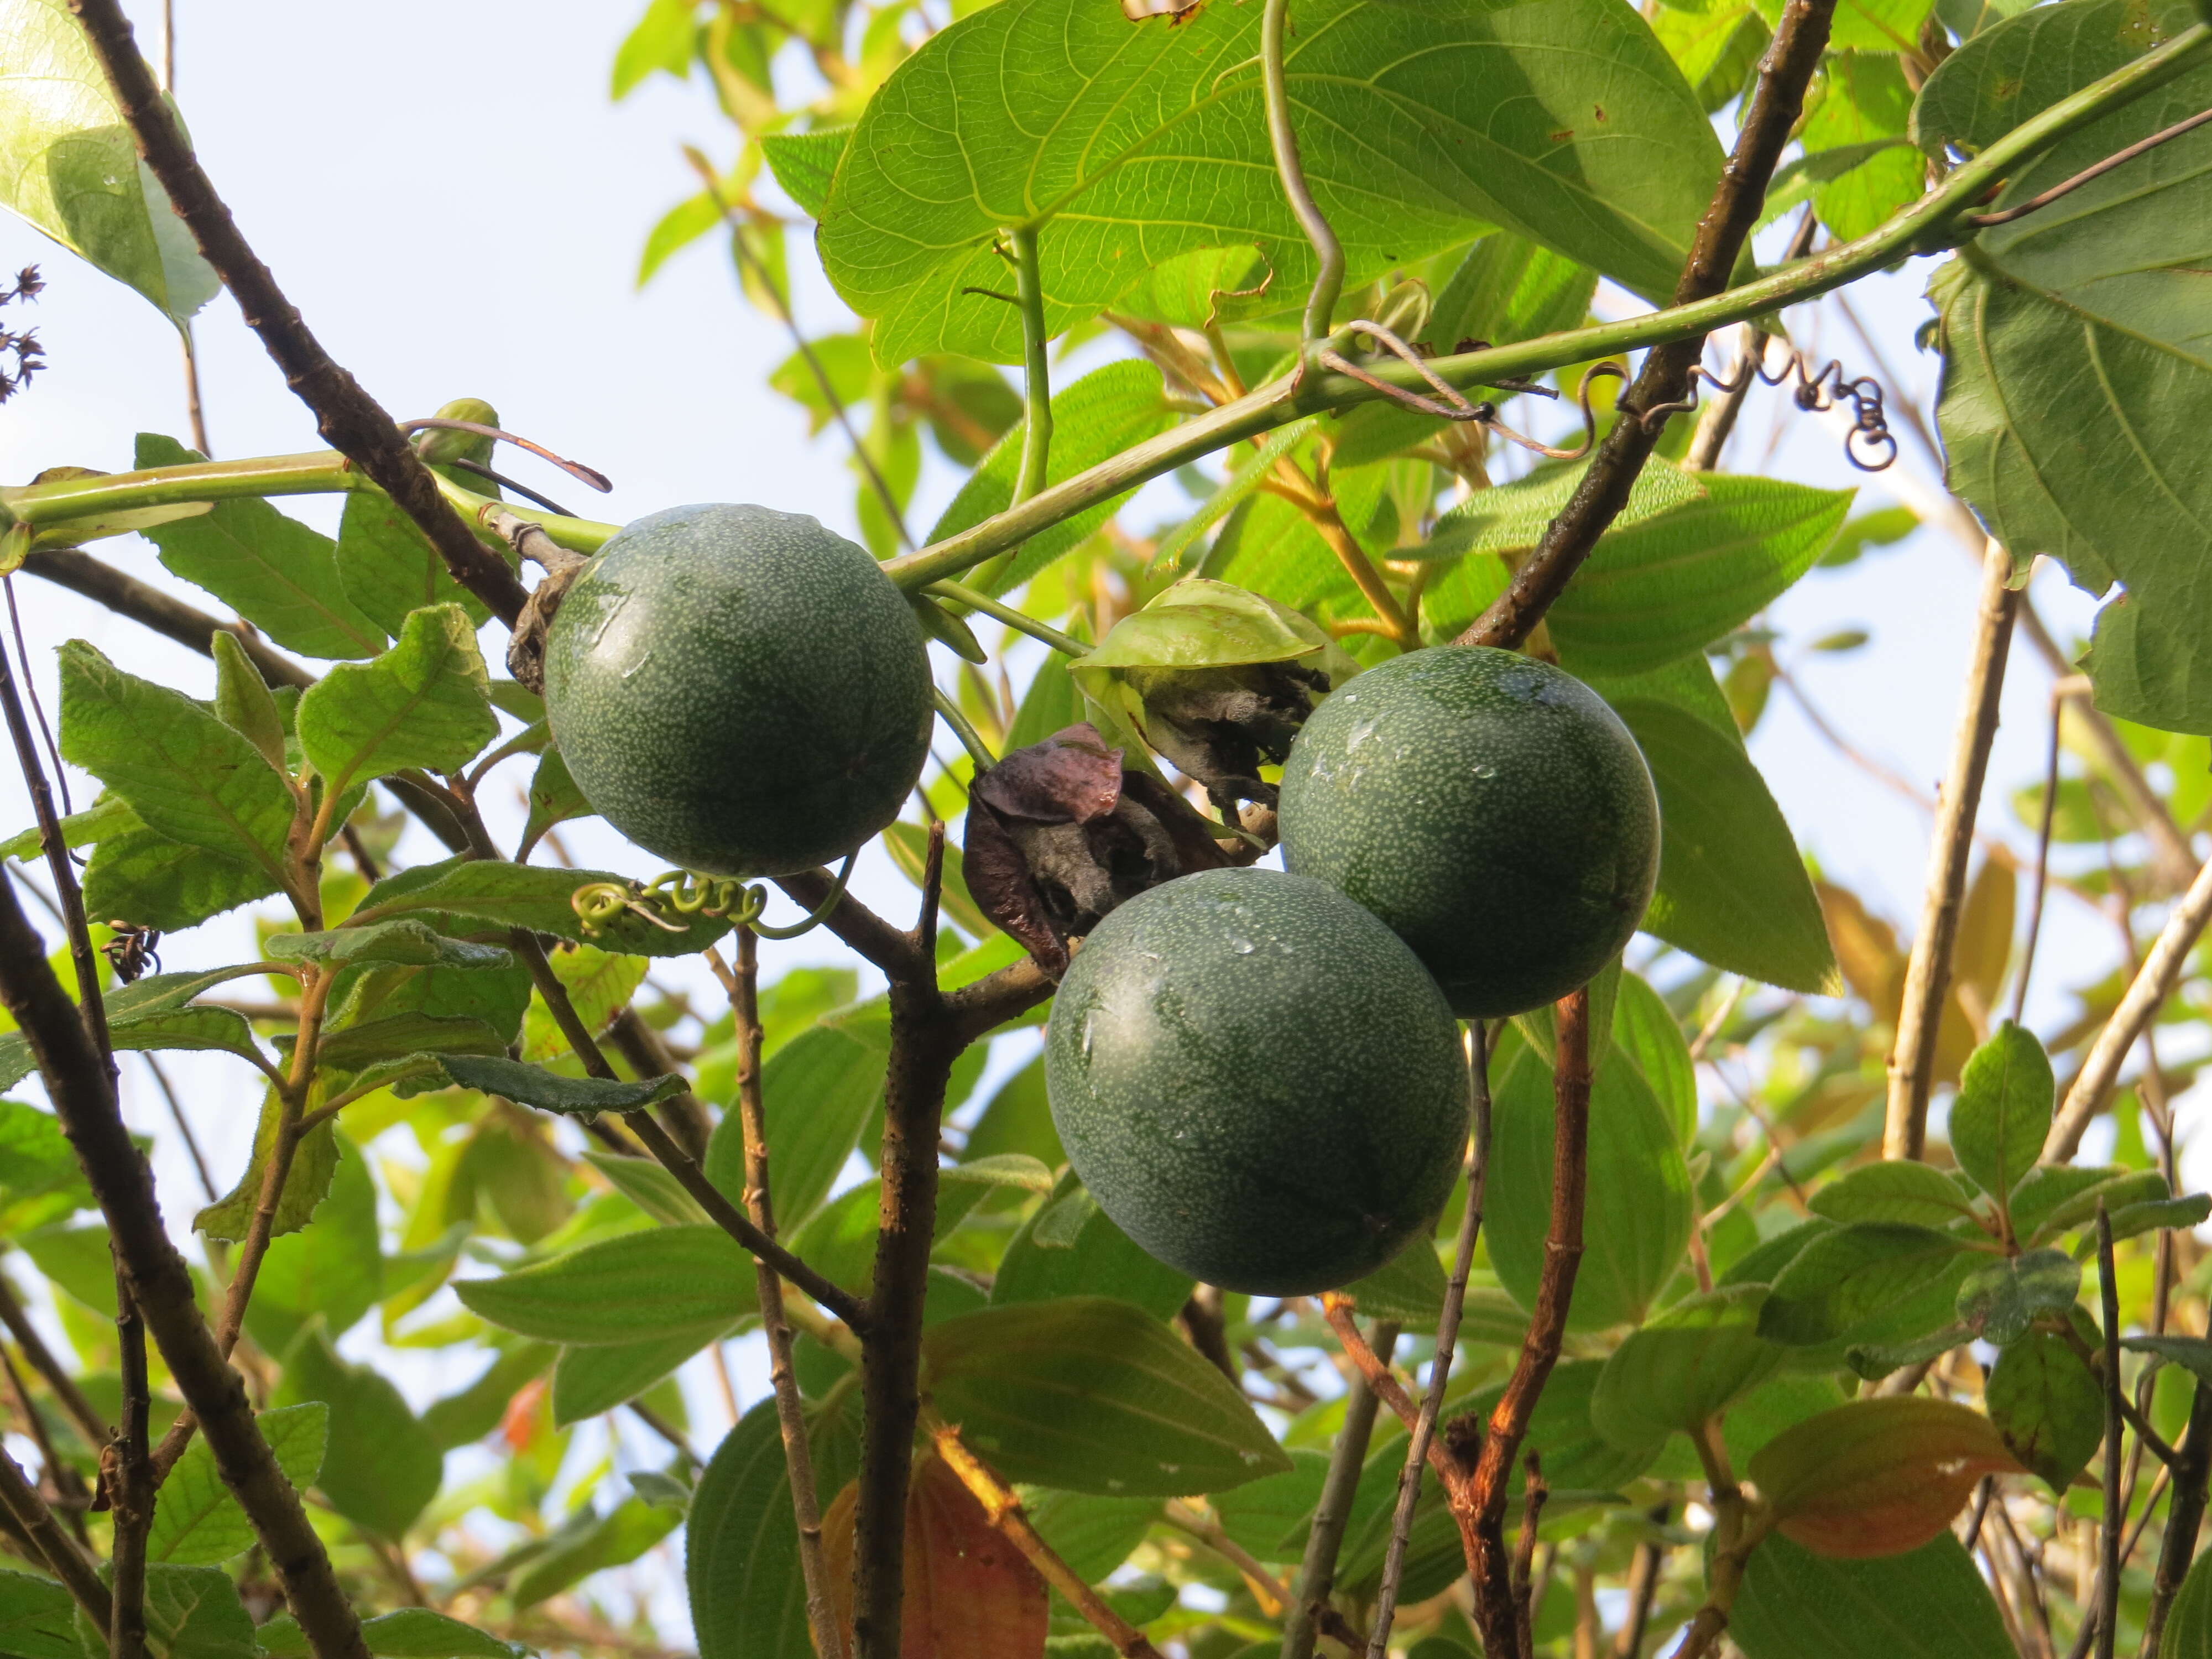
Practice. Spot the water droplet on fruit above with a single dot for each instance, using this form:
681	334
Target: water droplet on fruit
1240	946
1484	770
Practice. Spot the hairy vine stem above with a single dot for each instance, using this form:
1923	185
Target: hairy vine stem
1928	971
1036	365
345	414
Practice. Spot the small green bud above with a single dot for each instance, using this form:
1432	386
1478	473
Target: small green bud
441	448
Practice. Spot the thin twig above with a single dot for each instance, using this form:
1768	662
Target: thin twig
1770	115
1317	1570
2042	851
129	1481
1011	1521
1424	1426
1479	1507
184	1124
2115	1515
2184	1516
1928	971
2146	994
1642	1589
790	1412
78	1575
349	420
1985	220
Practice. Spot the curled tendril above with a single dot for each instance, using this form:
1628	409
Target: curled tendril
684	894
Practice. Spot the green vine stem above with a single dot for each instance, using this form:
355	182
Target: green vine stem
1036	368
1925	227
1283	140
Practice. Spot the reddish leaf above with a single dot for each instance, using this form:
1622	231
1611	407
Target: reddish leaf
1877	1477
969	1594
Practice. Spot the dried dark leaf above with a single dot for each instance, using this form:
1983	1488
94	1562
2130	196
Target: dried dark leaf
1072	777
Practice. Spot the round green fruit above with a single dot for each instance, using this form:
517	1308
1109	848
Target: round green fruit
1257	1081
1491	808
739	690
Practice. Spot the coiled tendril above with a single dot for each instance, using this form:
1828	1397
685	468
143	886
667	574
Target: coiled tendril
685	893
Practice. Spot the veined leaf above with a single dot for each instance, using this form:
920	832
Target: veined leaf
2076	384
670	1282
332	1269
2048	1405
407	943
1157	148
2003	1110
741	1549
73	171
1095	1395
409	1633
589	1381
1684	1367
804	163
1897	1190
37	1619
525	895
1999	1301
271	568
1510	518
187	776
1645	1030
195	1613
381	1468
818	1093
388	568
1071	1247
308	1177
1879	1476
1851	1283
425	702
140	876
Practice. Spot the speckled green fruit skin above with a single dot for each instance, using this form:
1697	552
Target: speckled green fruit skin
1491	808
1257	1081
739	690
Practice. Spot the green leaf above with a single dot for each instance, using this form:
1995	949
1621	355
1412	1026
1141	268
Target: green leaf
195	1613
1095	1395
409	1633
351	1047
553	799
2179	1212
1266	1516
1576	1457
34	1154
741	1549
2000	1302
806	163
2076	384
1929	1603
78	1259
1732	888
242	699
219	1028
1071	1247
1637	1220
1093	420
2188	1621
2192	1353
1859	1282
1872	1361
142	877
589	1381
388	568
332	1269
525	895
1246	476
2052	1190
671	1282
1129	146
272	569
662	40
615	1540
2003	1110
1510	518
73	171
37	1617
1662	590
1198	622
308	1177
474	1412
105	817
549	1091
1895	1191
1716	48
600	983
187	776
818	1092
2048	1405
196	1519
405	942
426	703
650	1187
1684	1367
1645	1031
1860	120
2125	1189
382	1468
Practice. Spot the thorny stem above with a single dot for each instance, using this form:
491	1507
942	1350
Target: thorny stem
790	1415
1317	1570
1011	1522
1480	1506
1036	367
2146	994
1424	1425
83	1097
1283	140
1770	116
1928	972
130	1483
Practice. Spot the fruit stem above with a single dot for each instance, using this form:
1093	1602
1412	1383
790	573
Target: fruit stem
1036	368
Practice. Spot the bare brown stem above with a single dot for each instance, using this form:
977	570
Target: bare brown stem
2192	1470
1317	1571
69	1564
130	1480
2116	1512
1928	971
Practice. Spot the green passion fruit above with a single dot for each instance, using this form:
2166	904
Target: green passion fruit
1490	808
739	690
1257	1081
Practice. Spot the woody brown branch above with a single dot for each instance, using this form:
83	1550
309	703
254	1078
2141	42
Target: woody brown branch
161	1284
349	420
1770	114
